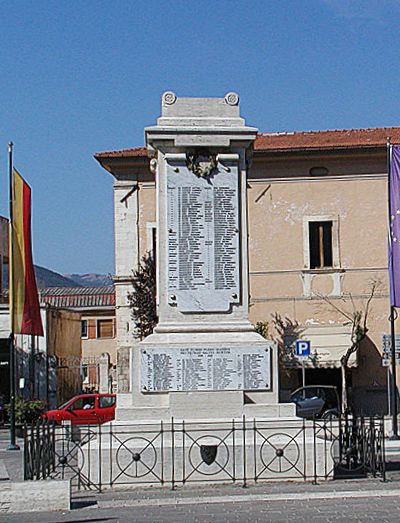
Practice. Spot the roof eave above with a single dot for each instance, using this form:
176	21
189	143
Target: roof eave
324	149
111	162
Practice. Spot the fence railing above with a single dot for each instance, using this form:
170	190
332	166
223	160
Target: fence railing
39	451
179	452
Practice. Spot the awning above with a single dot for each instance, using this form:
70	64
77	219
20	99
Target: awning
328	344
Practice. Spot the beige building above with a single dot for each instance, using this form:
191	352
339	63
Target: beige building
317	213
96	306
47	367
42	371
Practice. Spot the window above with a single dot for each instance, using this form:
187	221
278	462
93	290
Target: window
105	328
151	229
320	244
84	329
106	401
83	403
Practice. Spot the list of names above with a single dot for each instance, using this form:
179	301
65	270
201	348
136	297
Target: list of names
203	240
165	369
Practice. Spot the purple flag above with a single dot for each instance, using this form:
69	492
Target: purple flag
394	223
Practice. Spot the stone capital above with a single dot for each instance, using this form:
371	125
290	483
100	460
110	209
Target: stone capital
199	122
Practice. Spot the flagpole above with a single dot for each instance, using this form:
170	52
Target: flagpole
12	445
393	317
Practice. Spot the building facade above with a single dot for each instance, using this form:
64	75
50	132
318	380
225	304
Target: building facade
317	214
41	372
96	307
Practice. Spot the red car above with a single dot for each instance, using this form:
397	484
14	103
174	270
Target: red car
85	409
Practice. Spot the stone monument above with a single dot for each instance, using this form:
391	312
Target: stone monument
204	359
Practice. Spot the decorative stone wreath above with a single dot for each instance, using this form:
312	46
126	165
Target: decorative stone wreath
201	168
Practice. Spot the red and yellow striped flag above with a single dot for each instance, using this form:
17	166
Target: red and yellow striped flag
24	301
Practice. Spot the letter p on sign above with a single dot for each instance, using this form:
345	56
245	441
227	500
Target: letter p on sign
303	348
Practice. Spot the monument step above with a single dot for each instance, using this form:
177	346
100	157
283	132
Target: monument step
274	410
250	411
200	424
124	400
132	414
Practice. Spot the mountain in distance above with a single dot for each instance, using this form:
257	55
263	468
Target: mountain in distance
47	278
91	280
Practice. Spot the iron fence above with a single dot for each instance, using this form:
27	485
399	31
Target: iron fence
178	452
39	451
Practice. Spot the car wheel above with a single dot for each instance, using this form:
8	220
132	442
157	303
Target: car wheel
330	415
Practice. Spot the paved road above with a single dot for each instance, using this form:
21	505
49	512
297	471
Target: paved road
360	501
354	510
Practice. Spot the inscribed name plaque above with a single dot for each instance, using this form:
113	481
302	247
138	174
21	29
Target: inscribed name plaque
168	368
203	237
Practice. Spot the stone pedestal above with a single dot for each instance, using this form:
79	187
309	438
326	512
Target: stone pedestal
204	360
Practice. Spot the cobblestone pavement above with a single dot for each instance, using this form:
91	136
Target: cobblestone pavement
358	501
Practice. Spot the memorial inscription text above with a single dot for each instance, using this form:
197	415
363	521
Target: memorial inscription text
203	239
165	369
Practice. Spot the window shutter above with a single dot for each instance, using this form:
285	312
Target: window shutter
92	329
105	328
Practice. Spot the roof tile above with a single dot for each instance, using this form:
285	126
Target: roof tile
78	297
298	140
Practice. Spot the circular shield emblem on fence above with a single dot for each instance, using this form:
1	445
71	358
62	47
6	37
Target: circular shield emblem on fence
209	455
136	457
69	458
280	453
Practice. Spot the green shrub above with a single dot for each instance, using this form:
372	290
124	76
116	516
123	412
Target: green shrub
27	411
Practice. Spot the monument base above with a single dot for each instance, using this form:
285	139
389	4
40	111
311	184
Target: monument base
214	364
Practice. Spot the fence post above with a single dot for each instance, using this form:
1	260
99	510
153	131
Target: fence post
53	445
26	454
48	449
234	449
110	453
100	457
162	452
244	452
383	453
173	453
37	451
314	452
183	452
255	448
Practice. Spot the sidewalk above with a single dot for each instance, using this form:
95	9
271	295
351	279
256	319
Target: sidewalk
146	496
11	462
350	500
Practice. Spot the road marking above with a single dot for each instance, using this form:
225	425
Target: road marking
303	496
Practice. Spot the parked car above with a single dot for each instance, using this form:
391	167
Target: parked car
316	401
85	409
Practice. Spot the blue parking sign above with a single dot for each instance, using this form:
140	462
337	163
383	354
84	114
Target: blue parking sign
303	348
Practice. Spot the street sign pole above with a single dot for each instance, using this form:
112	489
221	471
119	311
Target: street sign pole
388	391
303	350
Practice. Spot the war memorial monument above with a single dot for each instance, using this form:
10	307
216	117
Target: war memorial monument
204	360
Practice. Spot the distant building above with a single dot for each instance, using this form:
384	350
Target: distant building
47	367
317	212
42	371
96	306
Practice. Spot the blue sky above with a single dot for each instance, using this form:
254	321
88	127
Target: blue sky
81	77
